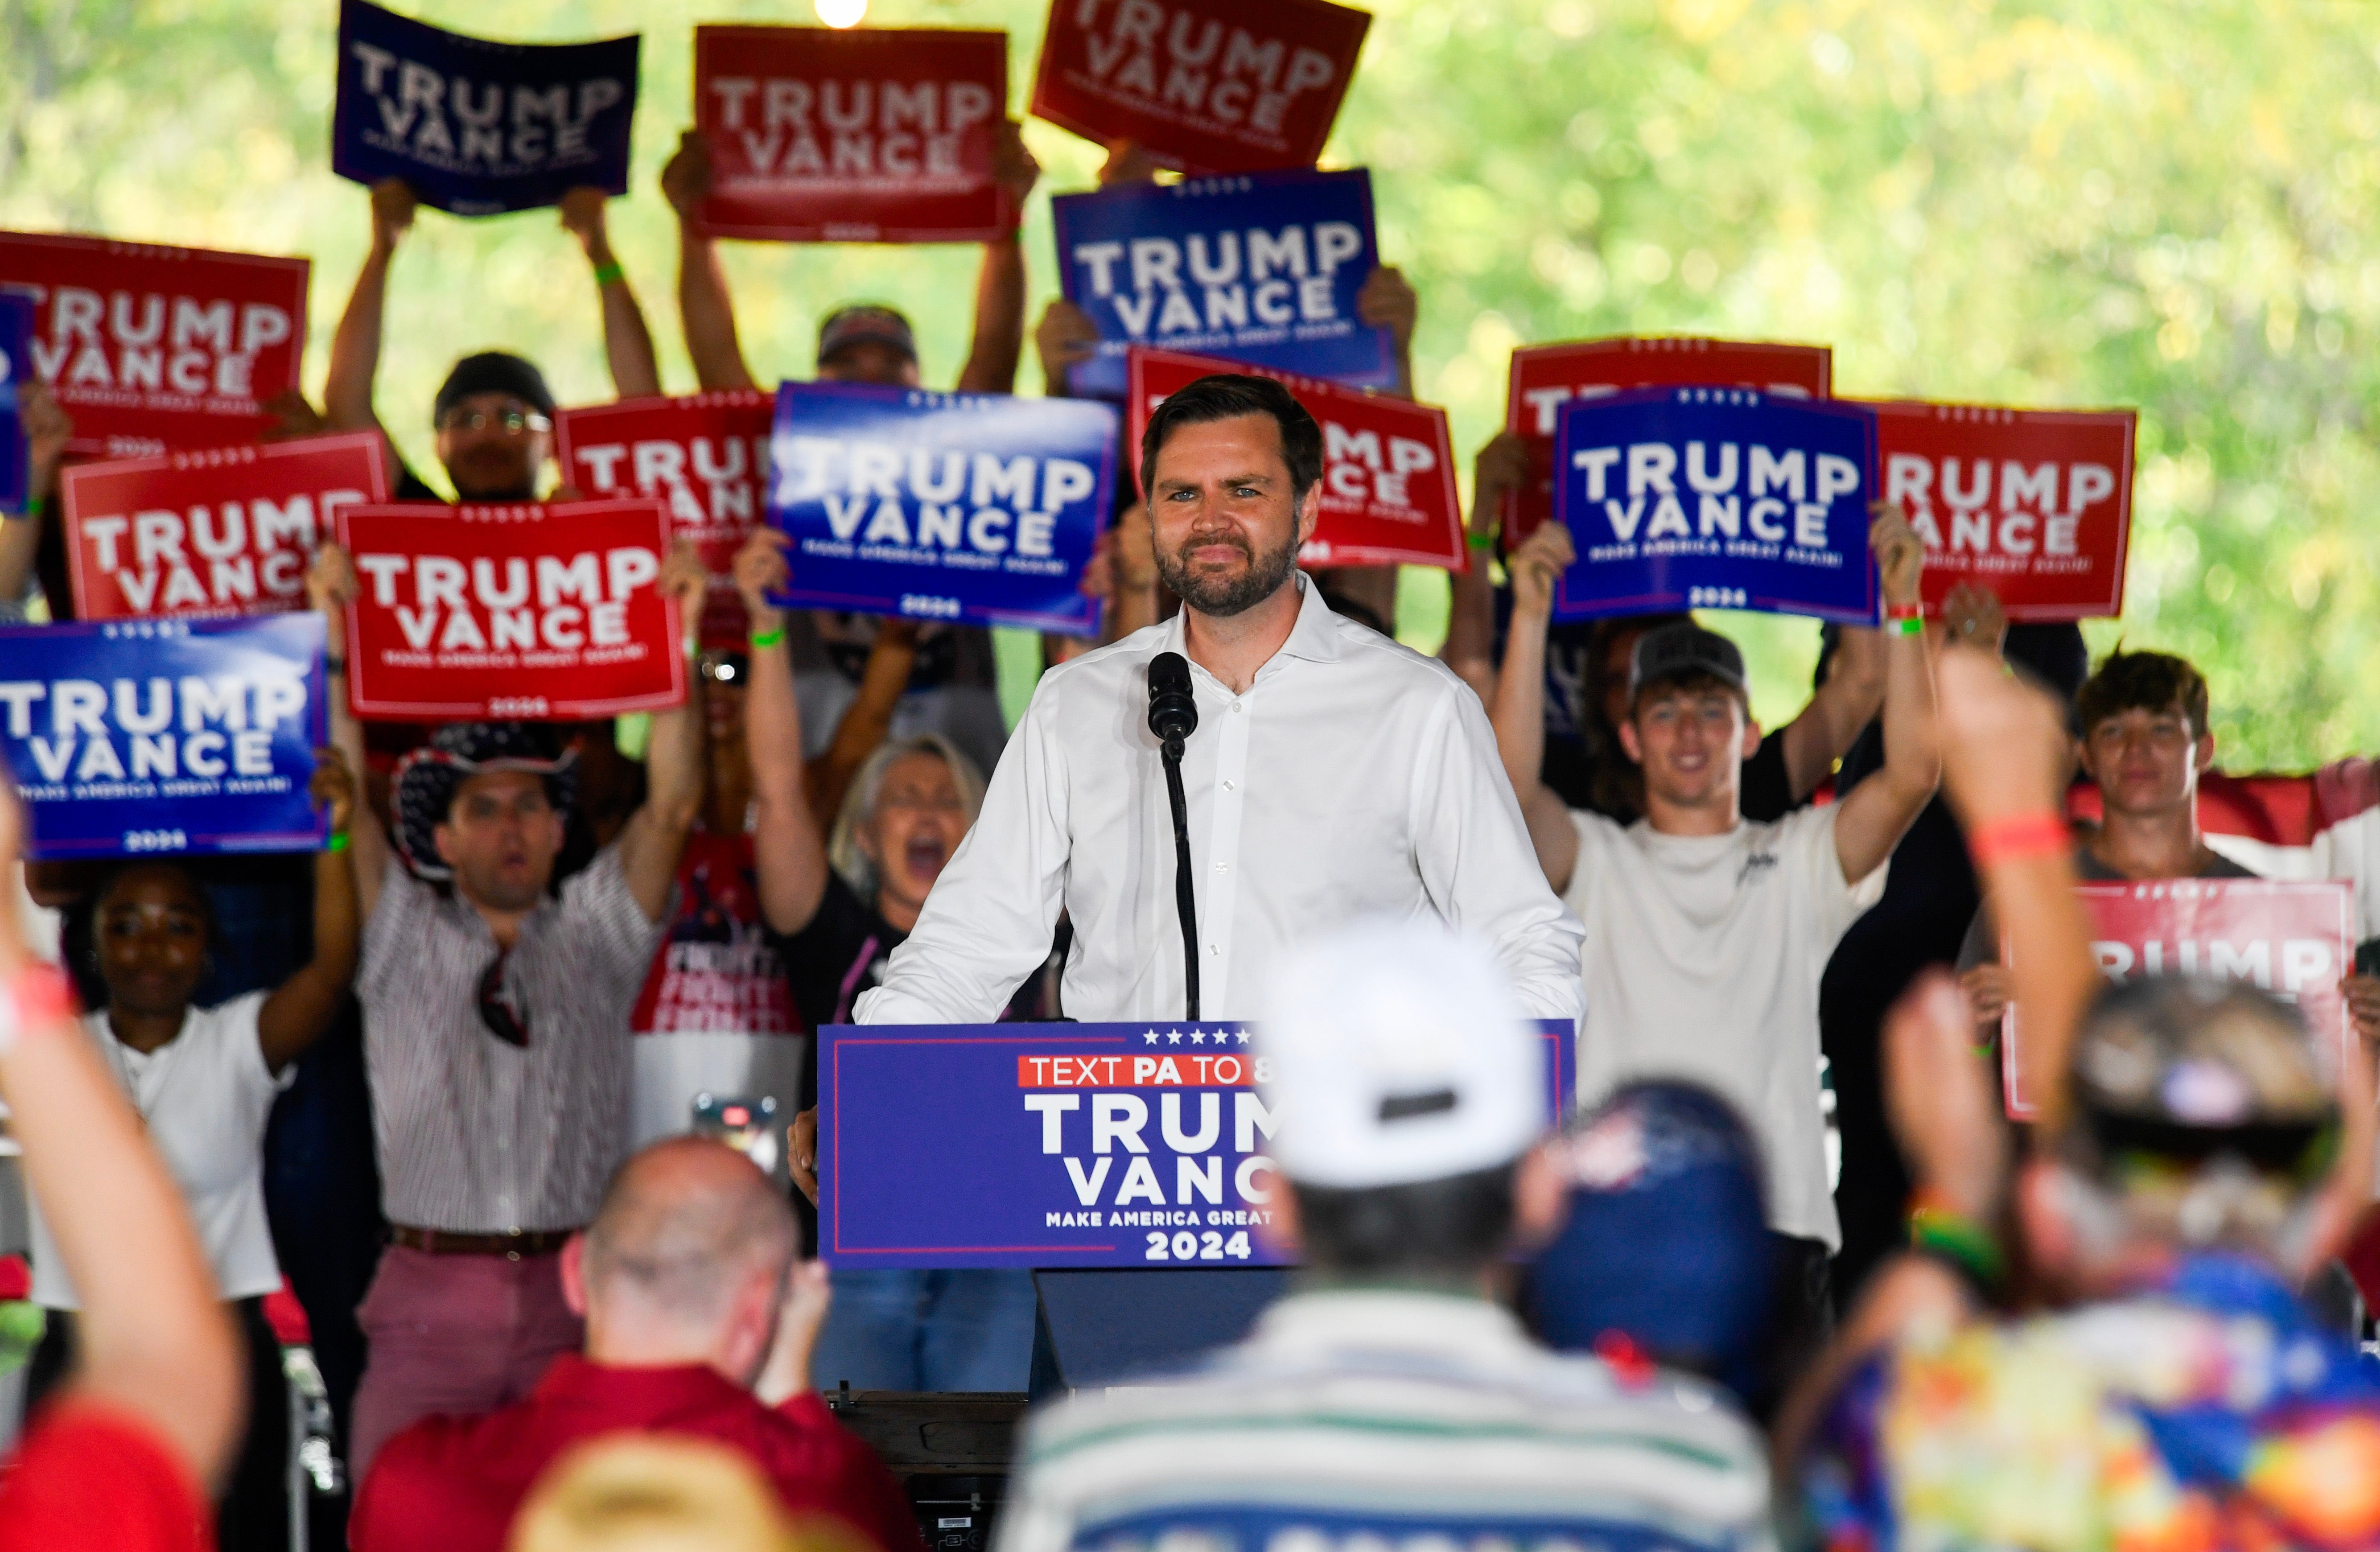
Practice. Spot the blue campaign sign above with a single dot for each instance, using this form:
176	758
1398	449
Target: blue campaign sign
480	128
1715	498
1054	1144
15	372
975	507
128	736
1261	267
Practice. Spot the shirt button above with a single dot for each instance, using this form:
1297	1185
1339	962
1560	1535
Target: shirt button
1237	709
1214	948
1221	866
1231	786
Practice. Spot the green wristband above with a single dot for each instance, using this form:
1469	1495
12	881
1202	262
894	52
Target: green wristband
607	274
763	640
338	843
1481	541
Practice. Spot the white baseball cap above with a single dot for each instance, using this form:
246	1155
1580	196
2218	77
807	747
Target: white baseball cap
1397	1055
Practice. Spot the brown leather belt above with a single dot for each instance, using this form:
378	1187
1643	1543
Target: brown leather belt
440	1241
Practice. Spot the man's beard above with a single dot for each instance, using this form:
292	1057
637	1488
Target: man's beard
1222	596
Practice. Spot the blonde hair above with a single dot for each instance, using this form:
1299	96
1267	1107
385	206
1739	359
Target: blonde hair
867	785
644	1493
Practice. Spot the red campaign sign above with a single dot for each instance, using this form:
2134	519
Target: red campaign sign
873	135
2294	939
534	612
1208	86
1545	376
227	531
1387	470
2036	505
151	347
704	457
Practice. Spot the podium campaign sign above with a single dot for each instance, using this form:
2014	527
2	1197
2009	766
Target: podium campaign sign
480	128
1263	267
16	371
1055	1145
166	735
1546	377
1715	498
151	347
975	508
2035	505
1208	86
2294	939
871	135
1388	471
528	611
704	457
227	531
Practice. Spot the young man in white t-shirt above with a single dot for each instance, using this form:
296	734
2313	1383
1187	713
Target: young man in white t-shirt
1706	934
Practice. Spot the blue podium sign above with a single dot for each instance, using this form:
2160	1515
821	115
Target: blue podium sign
1055	1145
1715	498
130	736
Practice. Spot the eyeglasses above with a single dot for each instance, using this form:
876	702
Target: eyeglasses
512	422
498	1012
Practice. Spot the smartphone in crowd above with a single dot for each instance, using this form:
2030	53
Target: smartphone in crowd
747	1125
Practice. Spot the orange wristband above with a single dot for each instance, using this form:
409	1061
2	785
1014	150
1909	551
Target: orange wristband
40	994
2022	835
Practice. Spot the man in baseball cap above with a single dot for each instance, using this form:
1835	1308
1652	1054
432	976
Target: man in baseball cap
1389	1398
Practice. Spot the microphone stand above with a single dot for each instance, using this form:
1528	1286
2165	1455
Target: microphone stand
1186	901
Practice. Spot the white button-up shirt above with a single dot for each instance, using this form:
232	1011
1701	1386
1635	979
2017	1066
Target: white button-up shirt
1354	778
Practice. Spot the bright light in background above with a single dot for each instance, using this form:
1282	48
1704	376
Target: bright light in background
841	13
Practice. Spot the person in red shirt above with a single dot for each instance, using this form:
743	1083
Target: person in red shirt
122	1458
692	1299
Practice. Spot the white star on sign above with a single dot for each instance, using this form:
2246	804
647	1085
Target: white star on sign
1197	1040
1150	1036
1244	1036
1173	1036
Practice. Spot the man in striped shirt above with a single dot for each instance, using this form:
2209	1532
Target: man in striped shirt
495	1033
1388	1401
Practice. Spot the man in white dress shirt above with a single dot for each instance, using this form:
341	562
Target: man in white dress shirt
1334	775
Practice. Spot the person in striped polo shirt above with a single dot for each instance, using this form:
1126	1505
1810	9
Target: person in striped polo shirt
1388	1401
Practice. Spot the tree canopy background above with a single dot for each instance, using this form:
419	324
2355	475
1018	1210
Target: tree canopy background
2075	204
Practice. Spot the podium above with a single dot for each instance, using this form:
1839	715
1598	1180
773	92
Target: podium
1100	1327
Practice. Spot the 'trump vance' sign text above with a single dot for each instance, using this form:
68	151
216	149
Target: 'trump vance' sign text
2296	940
1388	472
229	531
1717	498
871	135
16	371
166	735
537	613
1262	268
480	128
1080	1145
705	459
151	347
941	506
1546	377
1208	86
2035	505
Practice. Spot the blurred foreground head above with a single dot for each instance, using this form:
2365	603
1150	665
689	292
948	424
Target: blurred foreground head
2204	1120
1409	1092
1665	1243
629	1494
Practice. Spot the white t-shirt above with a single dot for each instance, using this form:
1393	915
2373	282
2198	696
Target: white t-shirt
1702	962
205	1096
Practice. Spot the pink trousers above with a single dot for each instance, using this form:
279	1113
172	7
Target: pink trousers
454	1334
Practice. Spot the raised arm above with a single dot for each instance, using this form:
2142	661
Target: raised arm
1844	705
331	584
703	308
1388	301
46	429
867	720
1880	810
1519	708
655	835
1000	284
1470	647
154	1341
786	836
355	349
628	344
302	1007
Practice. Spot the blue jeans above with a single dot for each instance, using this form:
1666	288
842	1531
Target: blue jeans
916	1330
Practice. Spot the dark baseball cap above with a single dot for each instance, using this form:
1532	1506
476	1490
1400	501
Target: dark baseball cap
863	323
493	372
1681	651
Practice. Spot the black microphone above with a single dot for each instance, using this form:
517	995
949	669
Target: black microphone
1172	717
1172	709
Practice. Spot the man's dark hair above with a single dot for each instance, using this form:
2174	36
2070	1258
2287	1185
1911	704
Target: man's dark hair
1227	397
2143	681
1445	1228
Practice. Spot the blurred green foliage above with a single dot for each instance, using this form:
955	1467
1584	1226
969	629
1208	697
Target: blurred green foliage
2059	205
